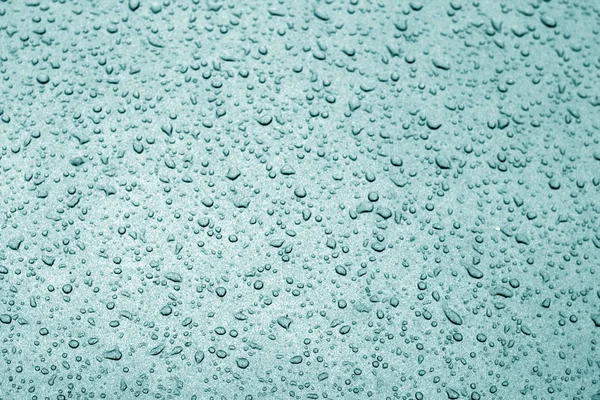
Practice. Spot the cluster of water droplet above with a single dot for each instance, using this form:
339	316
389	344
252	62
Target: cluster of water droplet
267	200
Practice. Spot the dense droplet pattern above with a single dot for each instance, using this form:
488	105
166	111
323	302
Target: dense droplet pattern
308	200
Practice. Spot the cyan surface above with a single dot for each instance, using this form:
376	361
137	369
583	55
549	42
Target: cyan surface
306	200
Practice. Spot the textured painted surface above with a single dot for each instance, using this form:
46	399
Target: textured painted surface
270	200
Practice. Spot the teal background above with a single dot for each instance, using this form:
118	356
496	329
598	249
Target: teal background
306	200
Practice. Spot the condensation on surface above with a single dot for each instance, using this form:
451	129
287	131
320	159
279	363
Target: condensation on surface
341	199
